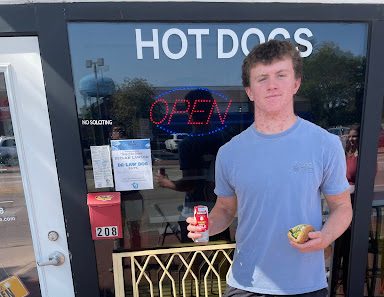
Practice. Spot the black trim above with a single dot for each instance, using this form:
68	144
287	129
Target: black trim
232	12
54	49
49	22
17	19
370	128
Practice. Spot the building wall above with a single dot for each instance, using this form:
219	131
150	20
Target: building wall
227	1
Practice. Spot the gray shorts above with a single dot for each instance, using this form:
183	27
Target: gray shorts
233	292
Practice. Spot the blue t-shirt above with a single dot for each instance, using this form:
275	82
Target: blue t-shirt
278	180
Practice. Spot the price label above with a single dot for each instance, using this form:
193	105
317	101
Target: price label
107	231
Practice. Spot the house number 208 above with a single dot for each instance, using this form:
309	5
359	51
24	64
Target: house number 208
108	231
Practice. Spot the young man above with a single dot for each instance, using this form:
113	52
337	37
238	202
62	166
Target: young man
271	175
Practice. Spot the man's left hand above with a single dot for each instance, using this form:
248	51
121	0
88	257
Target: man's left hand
317	241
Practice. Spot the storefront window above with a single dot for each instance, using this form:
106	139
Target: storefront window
374	285
179	85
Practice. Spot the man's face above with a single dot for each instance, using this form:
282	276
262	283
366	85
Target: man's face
272	86
116	133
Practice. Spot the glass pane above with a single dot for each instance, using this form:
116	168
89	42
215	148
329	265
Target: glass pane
350	137
375	261
179	85
17	261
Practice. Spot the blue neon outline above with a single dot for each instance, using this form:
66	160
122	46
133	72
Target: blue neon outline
191	88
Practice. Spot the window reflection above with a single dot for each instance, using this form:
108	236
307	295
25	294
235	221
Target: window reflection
342	245
147	94
375	260
17	259
196	160
374	283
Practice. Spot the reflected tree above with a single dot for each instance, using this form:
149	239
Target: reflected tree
334	83
131	103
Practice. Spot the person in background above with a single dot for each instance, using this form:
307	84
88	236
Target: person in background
197	154
342	245
117	132
272	175
352	153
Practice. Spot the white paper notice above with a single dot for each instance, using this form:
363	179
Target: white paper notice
132	164
102	168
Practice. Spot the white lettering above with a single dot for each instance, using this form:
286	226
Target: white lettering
96	122
304	42
227	42
154	44
184	43
198	33
279	31
220	43
7	219
247	33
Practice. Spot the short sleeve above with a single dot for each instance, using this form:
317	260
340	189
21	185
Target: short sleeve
334	168
223	187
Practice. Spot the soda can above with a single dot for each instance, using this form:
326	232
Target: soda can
201	216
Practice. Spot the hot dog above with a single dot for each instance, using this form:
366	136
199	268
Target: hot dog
299	233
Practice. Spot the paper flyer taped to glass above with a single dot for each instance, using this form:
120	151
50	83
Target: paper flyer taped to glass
102	168
132	164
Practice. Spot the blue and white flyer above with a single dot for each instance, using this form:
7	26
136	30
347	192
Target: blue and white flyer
132	164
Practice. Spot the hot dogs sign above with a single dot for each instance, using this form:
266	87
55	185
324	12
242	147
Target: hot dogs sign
196	39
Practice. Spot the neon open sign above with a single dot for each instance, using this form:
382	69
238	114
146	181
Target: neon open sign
197	111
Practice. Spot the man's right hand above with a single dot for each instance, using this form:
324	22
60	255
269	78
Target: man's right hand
194	230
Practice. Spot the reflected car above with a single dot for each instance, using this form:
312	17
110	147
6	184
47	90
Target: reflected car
8	152
173	143
342	132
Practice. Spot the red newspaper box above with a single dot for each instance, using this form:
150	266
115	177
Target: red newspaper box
105	215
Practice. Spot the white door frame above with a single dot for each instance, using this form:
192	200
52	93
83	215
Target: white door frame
21	63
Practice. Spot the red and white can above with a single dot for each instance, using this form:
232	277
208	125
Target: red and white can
201	216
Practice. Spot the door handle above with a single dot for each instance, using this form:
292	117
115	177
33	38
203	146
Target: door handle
55	259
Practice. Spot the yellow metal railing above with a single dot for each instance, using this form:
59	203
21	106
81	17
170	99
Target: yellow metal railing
184	271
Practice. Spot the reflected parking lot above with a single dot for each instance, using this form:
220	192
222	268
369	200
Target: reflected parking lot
16	249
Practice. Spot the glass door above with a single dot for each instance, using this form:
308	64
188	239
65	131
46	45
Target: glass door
34	257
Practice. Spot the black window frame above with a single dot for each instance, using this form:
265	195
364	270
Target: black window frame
49	21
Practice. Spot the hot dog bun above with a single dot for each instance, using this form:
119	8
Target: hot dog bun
299	233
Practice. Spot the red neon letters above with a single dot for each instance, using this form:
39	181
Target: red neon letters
183	106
